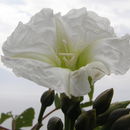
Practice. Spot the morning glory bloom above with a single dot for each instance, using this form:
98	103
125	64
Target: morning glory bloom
61	52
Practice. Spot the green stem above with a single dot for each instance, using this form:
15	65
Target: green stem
86	104
36	125
69	124
66	122
42	110
72	122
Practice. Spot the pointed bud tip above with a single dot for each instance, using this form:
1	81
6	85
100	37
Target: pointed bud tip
102	102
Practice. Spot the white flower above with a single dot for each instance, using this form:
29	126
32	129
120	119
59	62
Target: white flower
61	52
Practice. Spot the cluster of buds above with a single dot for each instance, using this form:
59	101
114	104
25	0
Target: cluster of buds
111	116
103	114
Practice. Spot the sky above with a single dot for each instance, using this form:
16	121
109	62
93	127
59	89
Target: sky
17	93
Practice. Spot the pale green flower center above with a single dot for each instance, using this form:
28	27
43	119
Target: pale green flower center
71	59
68	60
69	55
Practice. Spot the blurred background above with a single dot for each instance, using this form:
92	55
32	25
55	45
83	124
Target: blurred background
17	94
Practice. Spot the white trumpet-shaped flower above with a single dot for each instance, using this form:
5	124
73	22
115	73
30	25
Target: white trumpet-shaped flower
61	52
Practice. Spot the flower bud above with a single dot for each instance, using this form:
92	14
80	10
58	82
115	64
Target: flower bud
55	123
117	114
47	98
114	115
70	107
82	122
123	123
86	121
102	118
122	104
102	102
65	103
74	111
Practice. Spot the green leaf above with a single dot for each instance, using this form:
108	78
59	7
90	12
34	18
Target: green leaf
57	101
25	119
5	116
90	94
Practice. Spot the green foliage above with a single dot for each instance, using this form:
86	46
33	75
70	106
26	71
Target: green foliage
5	116
25	119
57	101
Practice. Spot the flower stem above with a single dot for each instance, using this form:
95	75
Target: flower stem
39	124
69	123
34	127
72	122
49	113
43	108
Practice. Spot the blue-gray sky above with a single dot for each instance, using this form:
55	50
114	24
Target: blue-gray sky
13	88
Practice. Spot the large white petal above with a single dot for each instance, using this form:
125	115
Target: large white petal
62	80
87	27
58	79
39	72
37	36
79	84
114	53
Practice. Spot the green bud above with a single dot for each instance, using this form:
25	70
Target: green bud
114	115
55	123
92	118
102	102
86	121
74	111
123	123
117	114
82	122
70	107
102	118
47	98
122	104
65	103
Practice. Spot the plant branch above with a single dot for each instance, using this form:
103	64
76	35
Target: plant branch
86	104
35	126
